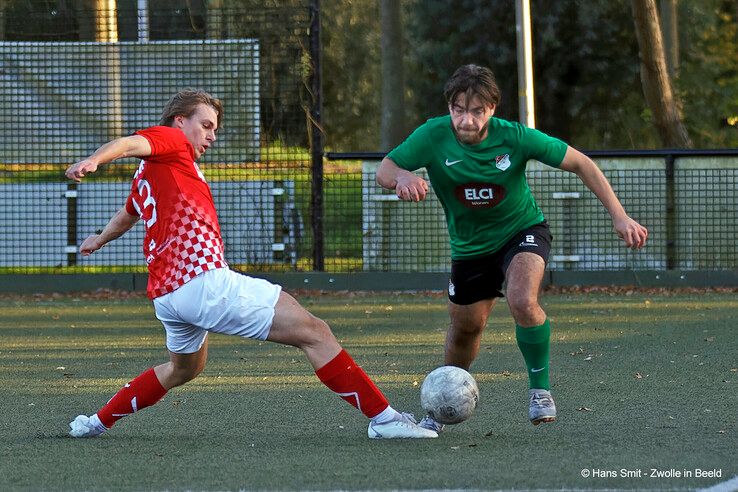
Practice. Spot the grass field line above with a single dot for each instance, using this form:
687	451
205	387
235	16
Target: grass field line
727	486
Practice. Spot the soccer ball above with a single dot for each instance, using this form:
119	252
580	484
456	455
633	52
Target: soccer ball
449	394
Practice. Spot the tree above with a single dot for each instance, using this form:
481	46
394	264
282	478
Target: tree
351	74
655	76
668	13
393	125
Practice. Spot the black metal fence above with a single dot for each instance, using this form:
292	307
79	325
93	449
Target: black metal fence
686	198
72	78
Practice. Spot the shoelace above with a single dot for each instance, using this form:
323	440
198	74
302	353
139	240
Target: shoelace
540	400
436	426
409	416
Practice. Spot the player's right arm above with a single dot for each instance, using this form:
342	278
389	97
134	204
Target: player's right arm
132	146
408	186
119	224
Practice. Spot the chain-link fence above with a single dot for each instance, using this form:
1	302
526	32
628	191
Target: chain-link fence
687	200
73	77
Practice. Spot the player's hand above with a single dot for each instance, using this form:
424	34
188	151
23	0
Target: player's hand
411	188
79	170
90	245
631	232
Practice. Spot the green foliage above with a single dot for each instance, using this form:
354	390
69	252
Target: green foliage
351	74
586	63
444	35
708	77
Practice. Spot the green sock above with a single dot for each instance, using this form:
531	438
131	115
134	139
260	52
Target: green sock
534	345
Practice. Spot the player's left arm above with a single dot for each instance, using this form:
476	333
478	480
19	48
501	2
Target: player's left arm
631	232
119	224
131	146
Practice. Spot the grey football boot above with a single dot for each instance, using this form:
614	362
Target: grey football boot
542	407
429	423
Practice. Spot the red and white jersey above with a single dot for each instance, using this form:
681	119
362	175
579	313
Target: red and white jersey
174	201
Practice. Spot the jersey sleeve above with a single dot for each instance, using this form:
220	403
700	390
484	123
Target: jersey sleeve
130	209
165	141
412	154
544	148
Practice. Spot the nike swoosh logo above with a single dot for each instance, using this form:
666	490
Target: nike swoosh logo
538	369
451	163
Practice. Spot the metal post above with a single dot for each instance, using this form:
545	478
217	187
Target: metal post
71	249
526	102
671	219
316	138
142	8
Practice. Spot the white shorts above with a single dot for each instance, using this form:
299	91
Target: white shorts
221	301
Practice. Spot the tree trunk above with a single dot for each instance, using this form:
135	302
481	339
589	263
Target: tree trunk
670	27
393	81
655	77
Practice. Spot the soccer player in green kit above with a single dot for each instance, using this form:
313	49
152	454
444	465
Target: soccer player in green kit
476	165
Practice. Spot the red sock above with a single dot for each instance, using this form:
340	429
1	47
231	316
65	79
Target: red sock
140	393
350	382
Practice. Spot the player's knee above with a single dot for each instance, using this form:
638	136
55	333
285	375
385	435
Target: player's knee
523	308
468	327
318	331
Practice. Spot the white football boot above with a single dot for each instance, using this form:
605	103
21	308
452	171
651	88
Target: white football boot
84	426
403	427
542	408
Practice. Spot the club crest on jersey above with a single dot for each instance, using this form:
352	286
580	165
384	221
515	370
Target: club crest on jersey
502	162
479	195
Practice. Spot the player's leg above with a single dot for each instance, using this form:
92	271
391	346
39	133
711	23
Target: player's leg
188	353
532	331
472	293
143	391
464	334
294	325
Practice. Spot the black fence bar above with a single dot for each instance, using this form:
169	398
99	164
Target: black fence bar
348	156
316	139
671	219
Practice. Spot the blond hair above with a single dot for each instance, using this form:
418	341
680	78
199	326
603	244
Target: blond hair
185	102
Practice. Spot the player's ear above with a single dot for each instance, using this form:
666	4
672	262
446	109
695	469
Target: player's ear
492	109
179	121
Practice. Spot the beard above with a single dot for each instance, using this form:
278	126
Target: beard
472	137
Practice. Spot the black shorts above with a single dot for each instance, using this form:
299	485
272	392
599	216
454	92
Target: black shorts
481	278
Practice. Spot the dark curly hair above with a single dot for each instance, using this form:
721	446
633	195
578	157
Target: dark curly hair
473	80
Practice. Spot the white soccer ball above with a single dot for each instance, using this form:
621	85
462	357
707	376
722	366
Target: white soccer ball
449	394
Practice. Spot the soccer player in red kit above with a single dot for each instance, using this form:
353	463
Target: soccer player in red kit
193	290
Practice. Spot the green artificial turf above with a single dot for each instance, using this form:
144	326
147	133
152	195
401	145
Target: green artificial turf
641	382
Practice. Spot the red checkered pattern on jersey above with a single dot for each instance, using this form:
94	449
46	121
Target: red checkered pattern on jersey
194	247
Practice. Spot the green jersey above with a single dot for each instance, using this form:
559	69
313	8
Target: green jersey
482	187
